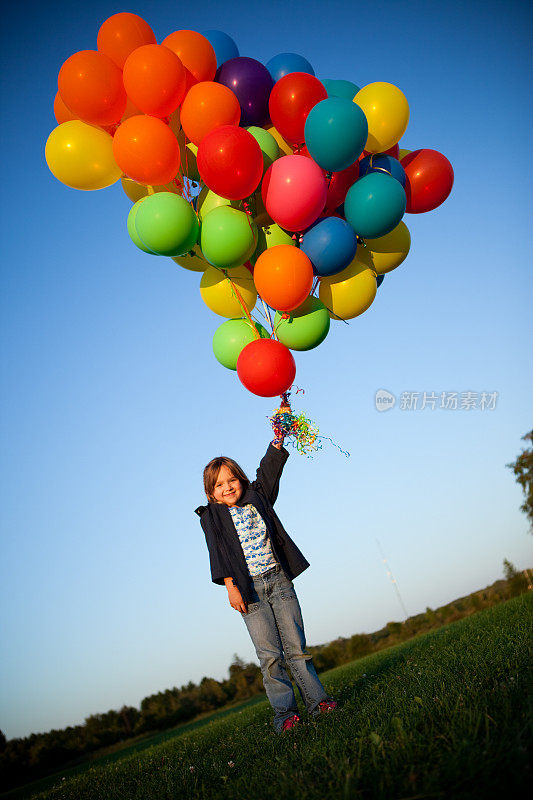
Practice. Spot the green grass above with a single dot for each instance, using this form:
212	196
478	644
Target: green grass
116	752
445	715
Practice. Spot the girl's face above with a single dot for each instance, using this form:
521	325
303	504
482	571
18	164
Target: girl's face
228	488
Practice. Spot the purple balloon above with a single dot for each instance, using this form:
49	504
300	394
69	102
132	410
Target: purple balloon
252	83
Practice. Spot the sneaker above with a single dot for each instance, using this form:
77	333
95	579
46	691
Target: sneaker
326	705
291	722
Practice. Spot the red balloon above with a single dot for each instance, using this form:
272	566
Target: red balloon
291	100
428	180
339	184
266	367
230	162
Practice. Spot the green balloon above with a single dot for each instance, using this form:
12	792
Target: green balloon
167	224
228	237
132	230
270	236
208	200
231	337
267	143
306	327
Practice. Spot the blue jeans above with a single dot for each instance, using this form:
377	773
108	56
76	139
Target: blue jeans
274	622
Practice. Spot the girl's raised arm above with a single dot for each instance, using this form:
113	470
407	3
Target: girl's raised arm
269	472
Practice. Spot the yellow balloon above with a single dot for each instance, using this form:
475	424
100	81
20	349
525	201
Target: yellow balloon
350	292
284	146
386	253
193	260
81	156
208	200
219	295
136	191
188	153
403	152
387	112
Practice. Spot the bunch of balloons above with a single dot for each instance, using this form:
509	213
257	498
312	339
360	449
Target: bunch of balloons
271	183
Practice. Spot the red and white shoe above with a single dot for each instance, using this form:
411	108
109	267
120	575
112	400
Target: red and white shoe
291	722
326	705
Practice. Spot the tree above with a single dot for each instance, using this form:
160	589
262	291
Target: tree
516	581
523	470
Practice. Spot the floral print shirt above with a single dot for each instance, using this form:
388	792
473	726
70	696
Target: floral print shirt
252	533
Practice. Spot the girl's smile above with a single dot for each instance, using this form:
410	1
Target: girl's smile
228	489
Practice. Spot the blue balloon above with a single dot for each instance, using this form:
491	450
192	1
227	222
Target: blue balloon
374	205
382	163
223	45
330	244
335	132
345	89
379	280
284	63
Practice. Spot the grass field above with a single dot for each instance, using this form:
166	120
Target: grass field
445	715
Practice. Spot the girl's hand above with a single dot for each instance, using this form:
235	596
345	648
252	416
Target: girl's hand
235	599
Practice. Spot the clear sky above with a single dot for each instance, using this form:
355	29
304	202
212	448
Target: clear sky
112	401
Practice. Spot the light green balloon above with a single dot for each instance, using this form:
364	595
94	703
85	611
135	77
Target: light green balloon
208	200
307	326
231	337
270	236
167	224
133	231
267	143
228	237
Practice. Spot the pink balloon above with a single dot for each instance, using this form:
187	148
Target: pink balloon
294	192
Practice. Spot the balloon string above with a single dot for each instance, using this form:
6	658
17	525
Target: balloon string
242	304
189	197
267	312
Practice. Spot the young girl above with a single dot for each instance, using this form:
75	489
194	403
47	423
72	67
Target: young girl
253	556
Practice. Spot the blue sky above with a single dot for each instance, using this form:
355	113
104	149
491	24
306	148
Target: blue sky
112	401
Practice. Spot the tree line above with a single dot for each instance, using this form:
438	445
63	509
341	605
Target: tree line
26	759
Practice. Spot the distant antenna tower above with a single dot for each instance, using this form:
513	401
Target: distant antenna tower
392	578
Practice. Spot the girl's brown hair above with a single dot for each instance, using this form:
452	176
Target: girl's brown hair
211	474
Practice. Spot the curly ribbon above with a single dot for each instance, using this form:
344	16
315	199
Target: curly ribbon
378	169
304	433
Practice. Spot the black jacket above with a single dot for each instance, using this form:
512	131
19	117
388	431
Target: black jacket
225	552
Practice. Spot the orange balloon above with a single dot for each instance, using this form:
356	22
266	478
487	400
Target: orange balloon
121	34
196	54
90	85
146	150
283	276
154	78
208	105
61	112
